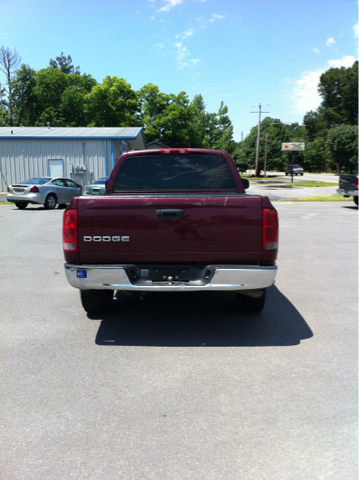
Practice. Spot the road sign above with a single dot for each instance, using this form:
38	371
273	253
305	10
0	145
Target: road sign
288	147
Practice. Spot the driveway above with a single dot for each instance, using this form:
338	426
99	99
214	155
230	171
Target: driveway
182	386
277	188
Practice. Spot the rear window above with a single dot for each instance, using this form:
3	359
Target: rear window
174	173
36	181
101	181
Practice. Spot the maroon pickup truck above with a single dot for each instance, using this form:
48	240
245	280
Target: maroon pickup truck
172	220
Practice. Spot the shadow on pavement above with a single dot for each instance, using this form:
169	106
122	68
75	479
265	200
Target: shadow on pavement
351	207
199	319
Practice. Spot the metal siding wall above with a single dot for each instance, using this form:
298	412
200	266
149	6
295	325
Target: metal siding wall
38	152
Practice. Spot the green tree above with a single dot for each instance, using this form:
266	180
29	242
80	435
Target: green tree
72	105
316	155
49	88
342	143
167	117
222	131
23	96
64	64
339	89
112	104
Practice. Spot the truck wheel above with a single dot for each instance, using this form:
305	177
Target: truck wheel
21	205
96	301
250	304
50	202
355	199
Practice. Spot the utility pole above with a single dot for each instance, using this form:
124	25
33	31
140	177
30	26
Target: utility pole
258	133
265	157
241	137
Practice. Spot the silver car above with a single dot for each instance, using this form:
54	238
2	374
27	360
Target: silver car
47	191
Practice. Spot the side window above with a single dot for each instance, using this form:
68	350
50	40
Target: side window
60	183
71	184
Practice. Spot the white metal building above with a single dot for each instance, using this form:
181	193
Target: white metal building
84	154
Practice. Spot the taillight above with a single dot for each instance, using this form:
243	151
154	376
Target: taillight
168	151
270	230
84	190
69	231
356	182
8	189
34	190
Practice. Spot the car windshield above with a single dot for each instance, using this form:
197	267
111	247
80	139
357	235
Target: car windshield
36	181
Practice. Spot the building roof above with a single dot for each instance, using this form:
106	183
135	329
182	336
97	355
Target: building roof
116	133
155	144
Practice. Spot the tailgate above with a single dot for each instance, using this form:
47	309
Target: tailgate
347	182
149	229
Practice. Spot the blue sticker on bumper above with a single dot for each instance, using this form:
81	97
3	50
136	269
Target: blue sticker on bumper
81	273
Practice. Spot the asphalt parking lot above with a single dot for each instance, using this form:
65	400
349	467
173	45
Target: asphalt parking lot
182	386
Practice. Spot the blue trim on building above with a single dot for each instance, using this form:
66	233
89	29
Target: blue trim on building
14	137
143	137
112	154
106	168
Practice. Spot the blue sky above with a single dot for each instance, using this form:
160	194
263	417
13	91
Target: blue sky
242	52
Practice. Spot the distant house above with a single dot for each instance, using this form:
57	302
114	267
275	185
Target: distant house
84	154
155	145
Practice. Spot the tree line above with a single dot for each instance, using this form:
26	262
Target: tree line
330	133
61	95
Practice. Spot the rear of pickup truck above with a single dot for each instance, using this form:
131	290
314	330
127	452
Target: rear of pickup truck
348	186
171	220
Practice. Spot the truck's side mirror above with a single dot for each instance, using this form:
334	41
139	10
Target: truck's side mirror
245	183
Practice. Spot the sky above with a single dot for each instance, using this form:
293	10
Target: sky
241	52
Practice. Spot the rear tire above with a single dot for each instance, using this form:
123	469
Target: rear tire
50	202
355	199
96	301
250	304
21	205
62	205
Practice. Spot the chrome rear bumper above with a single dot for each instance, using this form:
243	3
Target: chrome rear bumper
348	193
225	277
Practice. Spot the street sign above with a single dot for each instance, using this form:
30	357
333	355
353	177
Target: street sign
288	147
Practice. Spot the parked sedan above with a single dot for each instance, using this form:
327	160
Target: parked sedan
47	191
96	188
297	170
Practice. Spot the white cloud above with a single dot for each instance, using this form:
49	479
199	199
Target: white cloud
183	56
346	62
152	18
305	94
315	50
159	45
356	30
330	42
187	33
170	4
218	16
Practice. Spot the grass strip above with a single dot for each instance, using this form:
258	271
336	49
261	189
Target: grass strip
322	198
311	183
7	203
